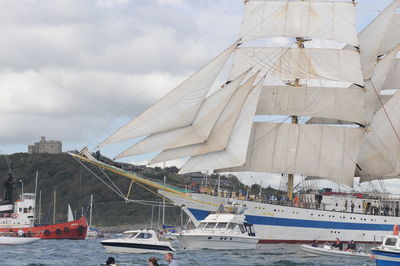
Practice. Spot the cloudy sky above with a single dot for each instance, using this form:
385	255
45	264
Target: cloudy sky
76	70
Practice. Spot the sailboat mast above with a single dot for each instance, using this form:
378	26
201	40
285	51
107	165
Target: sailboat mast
91	210
54	214
295	120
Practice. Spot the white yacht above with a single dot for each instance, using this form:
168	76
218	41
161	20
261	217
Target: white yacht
220	231
137	241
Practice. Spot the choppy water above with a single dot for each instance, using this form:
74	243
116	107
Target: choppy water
90	252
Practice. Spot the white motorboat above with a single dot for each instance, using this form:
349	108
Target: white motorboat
328	250
137	241
220	231
6	239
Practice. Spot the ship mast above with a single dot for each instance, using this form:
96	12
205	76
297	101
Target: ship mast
296	83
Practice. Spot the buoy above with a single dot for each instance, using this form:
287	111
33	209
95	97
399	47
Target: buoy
396	230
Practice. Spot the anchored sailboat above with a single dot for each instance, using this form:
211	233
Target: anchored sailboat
326	81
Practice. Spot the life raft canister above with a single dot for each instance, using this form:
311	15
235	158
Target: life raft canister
14	215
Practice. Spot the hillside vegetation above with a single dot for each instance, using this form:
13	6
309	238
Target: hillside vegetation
74	184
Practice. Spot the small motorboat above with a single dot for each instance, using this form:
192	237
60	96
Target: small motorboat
220	231
11	239
137	241
328	250
388	253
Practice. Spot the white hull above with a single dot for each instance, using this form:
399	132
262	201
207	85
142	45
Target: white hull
217	242
332	252
282	224
121	250
17	240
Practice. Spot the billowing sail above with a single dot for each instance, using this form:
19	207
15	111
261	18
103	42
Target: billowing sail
380	153
178	108
221	132
336	103
379	37
376	83
195	133
323	151
317	19
393	77
292	63
235	152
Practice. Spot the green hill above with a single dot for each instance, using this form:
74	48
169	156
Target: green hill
74	184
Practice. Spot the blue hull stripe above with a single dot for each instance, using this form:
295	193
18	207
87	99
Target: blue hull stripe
274	221
386	253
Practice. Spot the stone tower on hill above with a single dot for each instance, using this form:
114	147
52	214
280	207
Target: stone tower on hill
45	146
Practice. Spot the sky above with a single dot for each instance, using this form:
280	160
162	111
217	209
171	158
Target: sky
77	70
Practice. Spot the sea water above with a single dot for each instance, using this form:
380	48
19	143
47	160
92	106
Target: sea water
90	252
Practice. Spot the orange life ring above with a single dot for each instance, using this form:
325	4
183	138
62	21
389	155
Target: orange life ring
14	215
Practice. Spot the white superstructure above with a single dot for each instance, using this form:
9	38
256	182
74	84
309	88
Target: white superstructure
21	214
220	231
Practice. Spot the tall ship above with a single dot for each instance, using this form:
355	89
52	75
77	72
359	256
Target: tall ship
335	94
19	214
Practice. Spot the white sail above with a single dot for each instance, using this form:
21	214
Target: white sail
336	103
380	153
311	150
70	215
197	132
317	19
376	83
379	37
292	63
178	108
221	131
393	77
235	152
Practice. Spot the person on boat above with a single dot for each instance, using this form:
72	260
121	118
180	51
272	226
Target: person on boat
314	243
20	233
152	261
111	262
351	246
169	257
338	244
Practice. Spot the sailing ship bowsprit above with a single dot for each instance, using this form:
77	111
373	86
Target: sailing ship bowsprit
328	75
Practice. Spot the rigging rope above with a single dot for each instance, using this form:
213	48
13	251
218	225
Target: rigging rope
169	66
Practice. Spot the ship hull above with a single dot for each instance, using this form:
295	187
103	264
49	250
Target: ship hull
75	230
283	224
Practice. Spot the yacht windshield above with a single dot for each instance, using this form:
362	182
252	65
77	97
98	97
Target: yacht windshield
211	225
221	225
391	241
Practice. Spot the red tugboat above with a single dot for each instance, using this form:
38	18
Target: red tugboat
21	215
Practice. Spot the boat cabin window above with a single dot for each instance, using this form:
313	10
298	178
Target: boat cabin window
130	235
144	235
202	225
221	225
231	226
390	241
211	225
241	227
